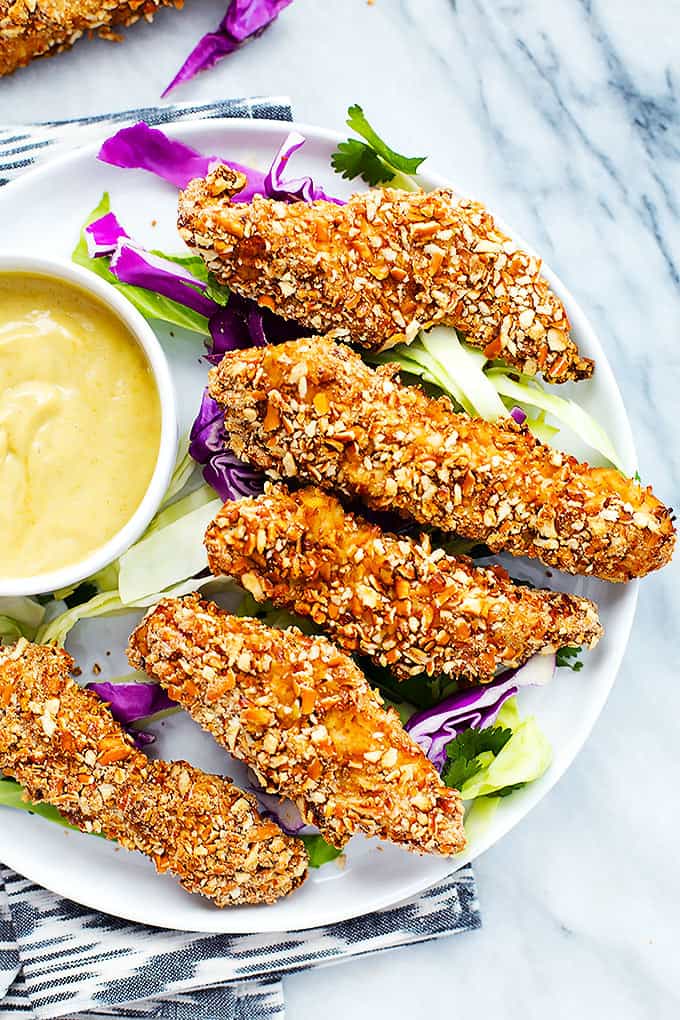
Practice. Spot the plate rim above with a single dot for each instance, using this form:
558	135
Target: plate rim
625	611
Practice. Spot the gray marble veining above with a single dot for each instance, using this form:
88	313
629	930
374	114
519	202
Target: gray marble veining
565	116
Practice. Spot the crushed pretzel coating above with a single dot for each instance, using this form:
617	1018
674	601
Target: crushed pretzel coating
383	267
36	28
313	409
412	609
301	714
62	744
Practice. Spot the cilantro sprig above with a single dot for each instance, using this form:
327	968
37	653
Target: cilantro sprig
569	657
421	691
372	160
463	753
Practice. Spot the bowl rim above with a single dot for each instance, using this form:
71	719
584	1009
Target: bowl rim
12	261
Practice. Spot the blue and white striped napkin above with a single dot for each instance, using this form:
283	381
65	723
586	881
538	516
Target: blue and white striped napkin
22	146
62	960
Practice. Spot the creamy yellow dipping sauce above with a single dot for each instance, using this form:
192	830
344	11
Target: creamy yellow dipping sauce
79	424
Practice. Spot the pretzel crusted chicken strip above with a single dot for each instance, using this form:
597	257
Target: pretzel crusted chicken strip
313	409
36	28
62	744
410	608
382	267
303	717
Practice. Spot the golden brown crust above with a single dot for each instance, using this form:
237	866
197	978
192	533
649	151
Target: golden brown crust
411	609
314	409
62	744
303	717
36	28
382	267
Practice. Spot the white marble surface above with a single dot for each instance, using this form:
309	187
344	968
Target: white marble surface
565	116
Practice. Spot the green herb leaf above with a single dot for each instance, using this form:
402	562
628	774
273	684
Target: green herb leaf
422	691
356	120
319	851
372	160
569	657
464	752
354	159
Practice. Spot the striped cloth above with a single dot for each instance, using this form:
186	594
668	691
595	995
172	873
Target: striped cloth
61	960
58	959
24	145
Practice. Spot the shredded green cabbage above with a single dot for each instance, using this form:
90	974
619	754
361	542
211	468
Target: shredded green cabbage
167	556
490	390
12	796
185	470
478	817
465	366
194	500
109	603
20	616
566	411
56	630
525	757
10	631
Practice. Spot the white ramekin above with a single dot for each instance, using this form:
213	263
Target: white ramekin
11	262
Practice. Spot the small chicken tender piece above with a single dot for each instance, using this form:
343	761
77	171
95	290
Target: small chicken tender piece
313	409
382	267
36	28
410	608
62	744
303	717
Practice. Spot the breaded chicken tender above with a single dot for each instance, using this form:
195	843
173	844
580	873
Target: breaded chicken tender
410	608
36	28
382	267
312	409
301	714
62	744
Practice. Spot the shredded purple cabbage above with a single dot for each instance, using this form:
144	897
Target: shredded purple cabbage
236	325
283	812
518	414
102	235
130	264
140	147
301	189
207	432
130	702
229	477
244	20
242	323
474	707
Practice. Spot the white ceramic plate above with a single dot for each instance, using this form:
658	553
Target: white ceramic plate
42	213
